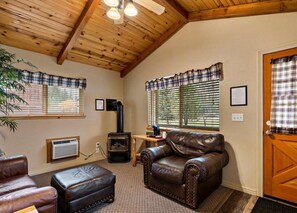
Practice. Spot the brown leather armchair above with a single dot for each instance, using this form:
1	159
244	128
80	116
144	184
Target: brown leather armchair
188	168
18	190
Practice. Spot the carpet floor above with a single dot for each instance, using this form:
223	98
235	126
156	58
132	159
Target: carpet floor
131	196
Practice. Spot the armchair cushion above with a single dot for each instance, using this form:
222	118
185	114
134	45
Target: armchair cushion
170	169
195	144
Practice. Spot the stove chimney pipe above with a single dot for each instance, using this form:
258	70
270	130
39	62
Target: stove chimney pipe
120	117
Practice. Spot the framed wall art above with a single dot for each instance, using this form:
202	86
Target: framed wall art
238	96
99	104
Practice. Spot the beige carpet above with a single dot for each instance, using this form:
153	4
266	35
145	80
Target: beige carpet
132	197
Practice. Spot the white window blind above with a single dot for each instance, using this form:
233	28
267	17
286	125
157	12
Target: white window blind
50	100
188	106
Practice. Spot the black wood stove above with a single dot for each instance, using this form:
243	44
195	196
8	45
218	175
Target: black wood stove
119	143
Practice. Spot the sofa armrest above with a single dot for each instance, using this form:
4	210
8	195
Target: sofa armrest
153	153
39	197
13	166
207	165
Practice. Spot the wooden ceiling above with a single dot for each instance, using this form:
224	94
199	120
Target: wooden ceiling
79	30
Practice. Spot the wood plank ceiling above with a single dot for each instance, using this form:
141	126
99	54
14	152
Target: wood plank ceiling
79	30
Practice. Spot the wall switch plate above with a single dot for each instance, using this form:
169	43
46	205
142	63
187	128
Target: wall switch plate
237	117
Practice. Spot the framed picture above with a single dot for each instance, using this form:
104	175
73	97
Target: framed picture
99	104
238	96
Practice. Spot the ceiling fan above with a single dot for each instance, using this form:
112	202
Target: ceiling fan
118	8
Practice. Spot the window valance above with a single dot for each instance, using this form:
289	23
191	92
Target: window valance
189	77
284	59
53	80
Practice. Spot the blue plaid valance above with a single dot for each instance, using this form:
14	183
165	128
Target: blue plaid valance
53	80
189	77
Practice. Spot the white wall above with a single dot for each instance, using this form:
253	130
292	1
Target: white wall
30	136
236	42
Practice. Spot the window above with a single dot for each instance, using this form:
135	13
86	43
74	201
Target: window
46	100
50	95
186	100
187	106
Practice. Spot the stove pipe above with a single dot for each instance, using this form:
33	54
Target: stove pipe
120	117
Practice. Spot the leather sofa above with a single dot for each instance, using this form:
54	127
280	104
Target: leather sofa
19	191
188	168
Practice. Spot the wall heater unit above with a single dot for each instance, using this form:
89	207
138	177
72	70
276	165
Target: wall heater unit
64	148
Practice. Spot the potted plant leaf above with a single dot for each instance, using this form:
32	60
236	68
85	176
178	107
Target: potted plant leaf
11	82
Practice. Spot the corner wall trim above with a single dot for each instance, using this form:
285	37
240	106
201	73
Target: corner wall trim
239	188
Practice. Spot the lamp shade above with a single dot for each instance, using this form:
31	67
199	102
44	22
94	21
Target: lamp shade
113	13
111	3
130	9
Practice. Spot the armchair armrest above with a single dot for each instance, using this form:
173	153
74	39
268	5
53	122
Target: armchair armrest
149	155
207	165
153	153
13	166
41	198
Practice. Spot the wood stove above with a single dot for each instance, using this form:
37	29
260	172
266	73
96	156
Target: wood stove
119	143
119	147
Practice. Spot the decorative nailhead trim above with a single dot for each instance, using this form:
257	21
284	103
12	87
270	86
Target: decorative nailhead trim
95	204
192	184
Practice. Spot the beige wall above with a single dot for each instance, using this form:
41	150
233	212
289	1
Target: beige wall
30	137
236	42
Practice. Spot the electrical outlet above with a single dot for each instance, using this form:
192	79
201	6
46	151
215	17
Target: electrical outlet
97	147
237	117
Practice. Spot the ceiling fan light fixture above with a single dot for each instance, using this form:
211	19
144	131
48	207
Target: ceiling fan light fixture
113	13
112	3
130	9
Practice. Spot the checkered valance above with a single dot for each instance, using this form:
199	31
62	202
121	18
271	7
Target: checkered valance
53	80
283	115
189	77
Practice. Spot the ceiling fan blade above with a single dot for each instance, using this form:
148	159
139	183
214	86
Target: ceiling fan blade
151	5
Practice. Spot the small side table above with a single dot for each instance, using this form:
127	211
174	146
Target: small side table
142	138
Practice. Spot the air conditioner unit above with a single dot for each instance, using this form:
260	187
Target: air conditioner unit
64	148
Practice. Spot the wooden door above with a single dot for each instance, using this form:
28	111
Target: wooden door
280	150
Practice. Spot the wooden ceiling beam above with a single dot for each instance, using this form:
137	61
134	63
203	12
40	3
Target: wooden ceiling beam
173	5
161	40
251	9
83	19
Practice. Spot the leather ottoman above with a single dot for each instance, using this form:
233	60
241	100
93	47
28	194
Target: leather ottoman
84	187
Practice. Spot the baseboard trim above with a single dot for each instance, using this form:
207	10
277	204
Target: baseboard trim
56	166
239	188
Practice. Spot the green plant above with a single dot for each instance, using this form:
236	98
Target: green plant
11	81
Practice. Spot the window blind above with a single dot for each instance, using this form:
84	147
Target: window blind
45	100
200	105
168	105
188	106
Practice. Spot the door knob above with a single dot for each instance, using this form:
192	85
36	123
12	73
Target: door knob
268	132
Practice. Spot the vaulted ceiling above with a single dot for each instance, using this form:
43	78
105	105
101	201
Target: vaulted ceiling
79	30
